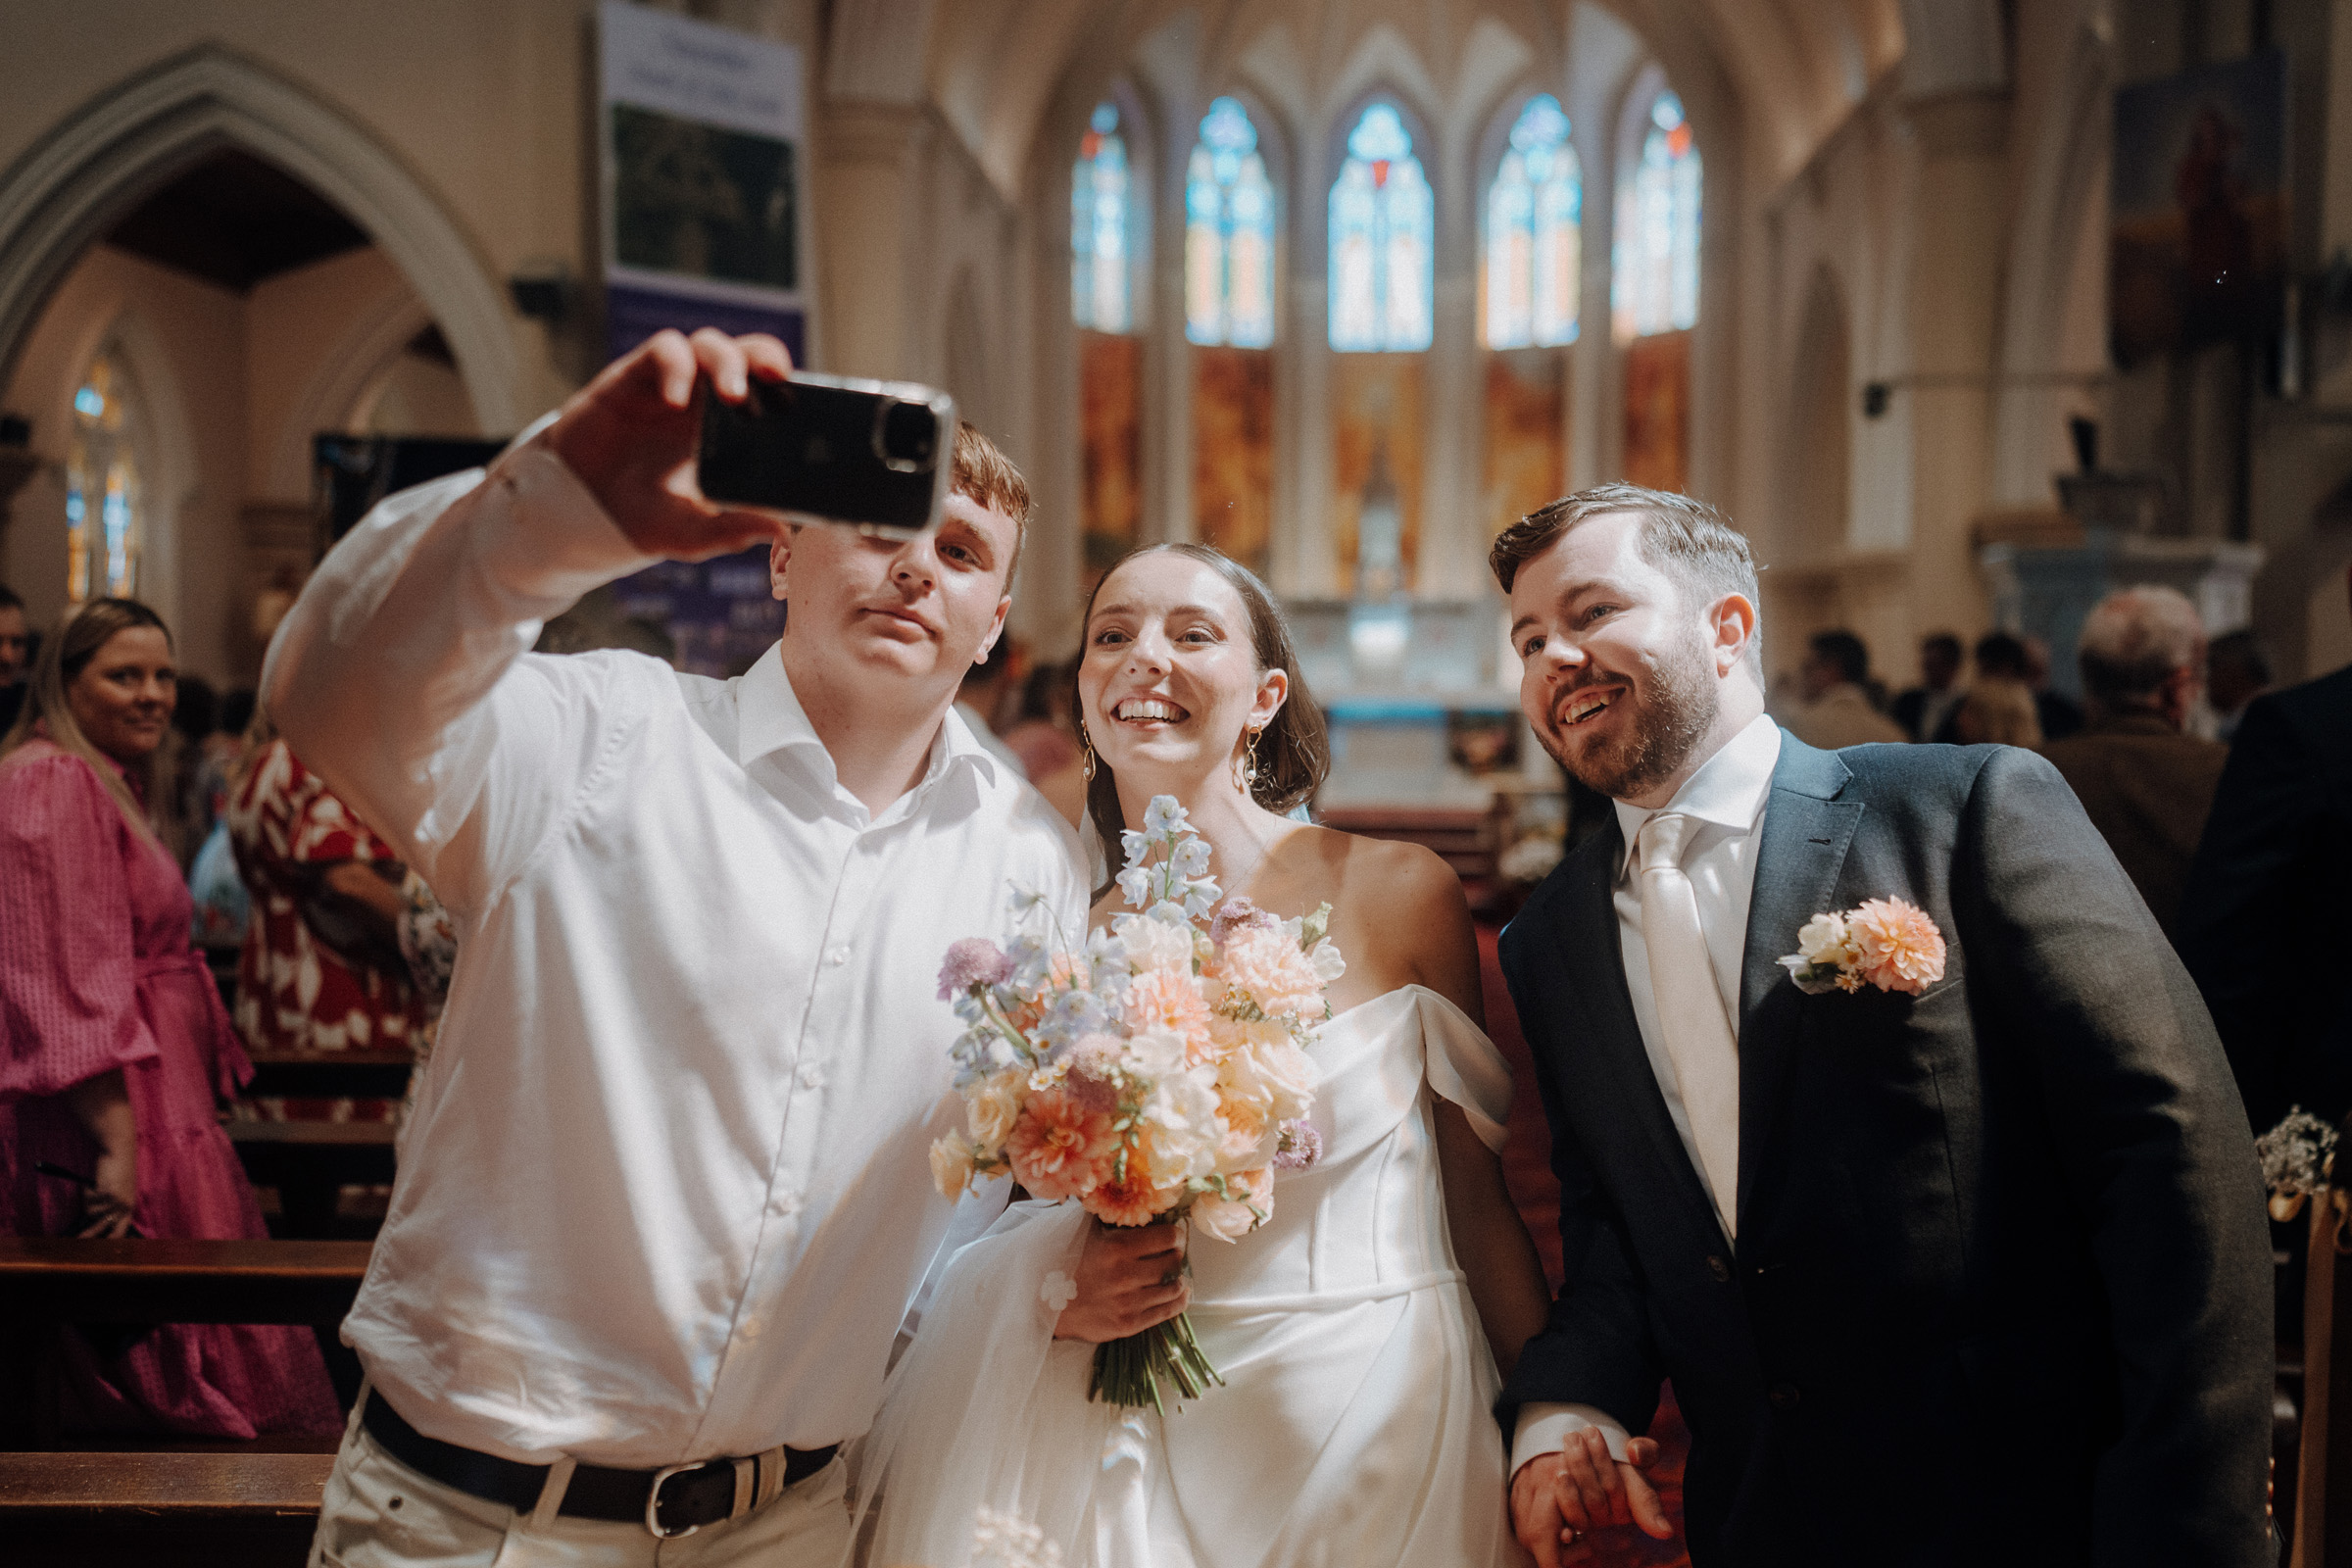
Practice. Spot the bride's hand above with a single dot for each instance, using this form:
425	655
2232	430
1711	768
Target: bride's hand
1128	1280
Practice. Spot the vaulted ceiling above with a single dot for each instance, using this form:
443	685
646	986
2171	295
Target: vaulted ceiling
1796	68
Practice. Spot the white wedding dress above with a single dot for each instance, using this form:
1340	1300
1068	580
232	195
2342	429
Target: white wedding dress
1356	1425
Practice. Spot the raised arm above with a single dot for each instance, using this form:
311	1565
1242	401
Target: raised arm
395	676
2157	1157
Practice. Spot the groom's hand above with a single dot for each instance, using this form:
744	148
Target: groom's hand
1128	1279
633	434
1558	1501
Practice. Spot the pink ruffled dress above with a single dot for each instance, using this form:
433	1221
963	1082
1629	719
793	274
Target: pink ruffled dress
95	975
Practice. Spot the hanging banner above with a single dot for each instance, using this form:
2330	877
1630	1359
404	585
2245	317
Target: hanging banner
702	133
703	137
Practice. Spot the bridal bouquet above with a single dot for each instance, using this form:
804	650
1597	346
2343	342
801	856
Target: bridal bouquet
1156	1071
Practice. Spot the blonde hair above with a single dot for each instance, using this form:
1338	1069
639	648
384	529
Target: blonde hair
65	655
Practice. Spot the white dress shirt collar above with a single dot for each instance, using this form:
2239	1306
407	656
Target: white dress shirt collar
770	718
1729	789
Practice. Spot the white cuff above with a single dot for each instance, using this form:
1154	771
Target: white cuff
1543	1427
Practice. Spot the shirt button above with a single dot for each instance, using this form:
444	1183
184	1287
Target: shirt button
750	1329
812	1076
1720	1269
1783	1396
788	1201
838	956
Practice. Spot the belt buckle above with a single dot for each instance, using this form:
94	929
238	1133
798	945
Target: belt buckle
653	1501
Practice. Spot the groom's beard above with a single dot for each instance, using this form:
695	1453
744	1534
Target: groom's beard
1671	715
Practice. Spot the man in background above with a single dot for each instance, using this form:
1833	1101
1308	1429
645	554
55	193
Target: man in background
15	656
2235	674
2146	782
1999	708
2262	928
1927	709
1837	710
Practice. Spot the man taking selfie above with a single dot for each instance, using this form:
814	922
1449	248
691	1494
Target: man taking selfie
664	1200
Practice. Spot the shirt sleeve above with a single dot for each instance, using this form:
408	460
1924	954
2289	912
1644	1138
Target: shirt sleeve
69	982
1543	1427
400	676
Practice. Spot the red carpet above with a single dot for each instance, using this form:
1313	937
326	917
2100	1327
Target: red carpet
1527	1167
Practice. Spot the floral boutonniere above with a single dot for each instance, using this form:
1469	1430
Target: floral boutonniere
1881	942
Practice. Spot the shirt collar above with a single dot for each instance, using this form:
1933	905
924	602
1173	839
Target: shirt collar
770	718
1729	789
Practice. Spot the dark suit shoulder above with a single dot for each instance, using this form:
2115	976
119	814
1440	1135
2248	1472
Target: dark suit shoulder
2319	712
1548	906
1889	771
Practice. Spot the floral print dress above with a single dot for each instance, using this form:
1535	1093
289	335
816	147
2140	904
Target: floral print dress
294	990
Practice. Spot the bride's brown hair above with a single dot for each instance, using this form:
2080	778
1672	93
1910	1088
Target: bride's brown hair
1294	750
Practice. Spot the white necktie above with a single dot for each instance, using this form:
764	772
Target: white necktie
1700	1040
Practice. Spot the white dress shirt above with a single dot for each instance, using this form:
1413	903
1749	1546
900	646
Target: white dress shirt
666	1196
1727	794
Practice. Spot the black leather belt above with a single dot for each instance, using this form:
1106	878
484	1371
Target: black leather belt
675	1500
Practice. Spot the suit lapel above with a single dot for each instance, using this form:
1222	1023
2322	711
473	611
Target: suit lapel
1596	969
1807	831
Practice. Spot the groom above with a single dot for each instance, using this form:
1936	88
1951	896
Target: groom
1966	1275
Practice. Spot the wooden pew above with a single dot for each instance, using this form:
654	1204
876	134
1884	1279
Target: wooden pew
374	1072
46	1282
311	1162
159	1510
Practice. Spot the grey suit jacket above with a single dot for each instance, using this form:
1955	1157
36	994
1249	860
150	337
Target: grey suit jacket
2001	1290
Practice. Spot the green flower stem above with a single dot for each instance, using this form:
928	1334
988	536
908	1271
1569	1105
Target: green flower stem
1128	1372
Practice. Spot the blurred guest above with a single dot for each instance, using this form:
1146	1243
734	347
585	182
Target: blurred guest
2145	781
195	715
2235	674
982	696
1999	707
1924	711
2058	714
1044	737
117	1052
1836	709
323	969
2263	925
16	652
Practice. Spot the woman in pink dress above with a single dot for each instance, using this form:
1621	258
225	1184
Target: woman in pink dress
116	1050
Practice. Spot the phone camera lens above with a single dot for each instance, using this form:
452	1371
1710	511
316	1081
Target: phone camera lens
910	436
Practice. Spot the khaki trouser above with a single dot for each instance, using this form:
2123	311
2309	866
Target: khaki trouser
379	1514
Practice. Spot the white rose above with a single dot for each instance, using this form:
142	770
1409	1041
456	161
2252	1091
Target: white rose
1156	944
1182	1113
952	1165
992	1105
1156	1053
1224	1219
1324	959
1823	940
1290	1073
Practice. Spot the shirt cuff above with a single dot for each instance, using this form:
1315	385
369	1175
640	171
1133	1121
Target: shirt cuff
1543	1427
558	543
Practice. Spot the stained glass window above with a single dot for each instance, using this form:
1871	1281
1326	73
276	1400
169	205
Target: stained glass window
1383	222
102	488
1100	188
1654	286
1535	210
1228	233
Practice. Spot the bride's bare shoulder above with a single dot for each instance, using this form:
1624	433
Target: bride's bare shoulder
1404	876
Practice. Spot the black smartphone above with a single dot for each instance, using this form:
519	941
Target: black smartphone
874	455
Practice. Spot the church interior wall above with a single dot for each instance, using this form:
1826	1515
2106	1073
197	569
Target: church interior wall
1943	166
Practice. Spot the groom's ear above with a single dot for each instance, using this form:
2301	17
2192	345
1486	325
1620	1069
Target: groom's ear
1733	622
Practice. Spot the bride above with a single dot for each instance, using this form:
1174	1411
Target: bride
1358	1331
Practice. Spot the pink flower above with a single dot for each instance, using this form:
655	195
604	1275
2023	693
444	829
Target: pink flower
1239	913
1061	1146
973	962
1159	1000
1302	1146
1896	945
1268	963
1248	1202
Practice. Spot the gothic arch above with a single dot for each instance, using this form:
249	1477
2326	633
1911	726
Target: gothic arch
63	192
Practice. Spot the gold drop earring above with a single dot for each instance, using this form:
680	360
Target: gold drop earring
1249	761
1086	746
